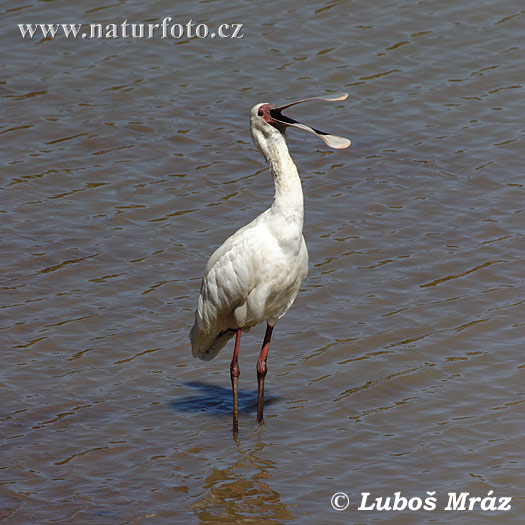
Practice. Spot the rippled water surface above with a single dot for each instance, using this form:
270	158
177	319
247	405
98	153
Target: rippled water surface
126	162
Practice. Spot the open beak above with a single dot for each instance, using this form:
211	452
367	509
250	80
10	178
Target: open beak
330	140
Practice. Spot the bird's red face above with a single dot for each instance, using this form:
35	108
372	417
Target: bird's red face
265	111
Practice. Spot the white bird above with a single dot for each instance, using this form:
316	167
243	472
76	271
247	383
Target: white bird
256	274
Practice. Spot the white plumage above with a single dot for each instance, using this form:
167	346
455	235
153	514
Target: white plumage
256	274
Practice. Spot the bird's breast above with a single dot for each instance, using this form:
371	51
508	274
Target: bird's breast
279	278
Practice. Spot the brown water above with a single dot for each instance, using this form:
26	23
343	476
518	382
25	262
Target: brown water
126	162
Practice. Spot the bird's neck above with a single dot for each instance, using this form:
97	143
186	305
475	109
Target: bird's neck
288	197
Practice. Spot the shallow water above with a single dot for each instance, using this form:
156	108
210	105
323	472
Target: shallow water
126	162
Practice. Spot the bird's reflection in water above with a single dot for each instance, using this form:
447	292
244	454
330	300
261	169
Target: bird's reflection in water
241	492
217	400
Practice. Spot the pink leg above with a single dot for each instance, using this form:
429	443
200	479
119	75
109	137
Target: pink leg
235	372
261	371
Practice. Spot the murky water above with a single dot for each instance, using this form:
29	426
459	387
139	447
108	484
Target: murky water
126	162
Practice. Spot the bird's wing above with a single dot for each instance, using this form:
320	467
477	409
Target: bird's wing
244	238
229	277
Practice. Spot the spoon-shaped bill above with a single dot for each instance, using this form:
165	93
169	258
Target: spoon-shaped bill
335	98
330	140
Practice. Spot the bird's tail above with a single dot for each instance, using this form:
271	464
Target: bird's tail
206	348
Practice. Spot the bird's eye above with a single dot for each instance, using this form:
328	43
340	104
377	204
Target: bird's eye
260	113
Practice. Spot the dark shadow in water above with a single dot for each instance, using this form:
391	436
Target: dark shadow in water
218	400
